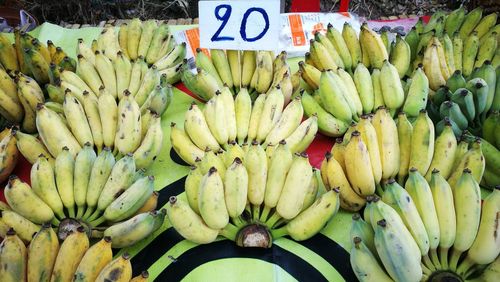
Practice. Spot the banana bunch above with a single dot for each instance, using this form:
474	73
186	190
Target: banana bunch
427	230
252	197
457	41
378	148
8	152
95	189
45	259
470	103
149	42
230	124
31	57
257	71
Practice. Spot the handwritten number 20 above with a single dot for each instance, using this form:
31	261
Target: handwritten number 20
225	18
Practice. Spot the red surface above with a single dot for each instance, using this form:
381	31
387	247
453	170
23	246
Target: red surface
314	6
22	170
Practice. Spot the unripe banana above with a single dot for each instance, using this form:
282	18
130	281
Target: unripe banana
365	264
70	254
340	45
400	56
12	258
332	96
422	144
418	92
42	254
327	124
149	81
362	229
84	162
161	34
351	40
364	86
204	62
22	199
471	48
118	270
405	133
43	184
221	63
133	230
392	90
444	153
189	224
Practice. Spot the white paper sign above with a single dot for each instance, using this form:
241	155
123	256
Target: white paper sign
239	25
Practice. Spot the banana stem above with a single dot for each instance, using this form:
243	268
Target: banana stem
256	212
98	221
435	259
94	215
272	220
229	232
71	212
379	189
443	253
425	269
265	213
55	221
428	262
278	233
471	271
80	211
465	266
279	222
61	215
97	234
455	256
238	221
88	213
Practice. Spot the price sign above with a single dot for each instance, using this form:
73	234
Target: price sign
239	25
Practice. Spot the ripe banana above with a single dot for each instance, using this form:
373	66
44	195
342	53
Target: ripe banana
119	270
12	258
42	253
70	253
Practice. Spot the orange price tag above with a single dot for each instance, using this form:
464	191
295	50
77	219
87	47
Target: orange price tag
298	35
193	38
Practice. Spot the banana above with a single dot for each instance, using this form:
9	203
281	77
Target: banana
234	57
150	205
235	188
30	147
226	98
263	72
420	192
390	83
300	139
473	160
358	167
271	113
327	124
25	228
247	67
106	71
288	122
422	144
8	85
148	30
221	64
54	133
445	210
369	137
129	201
417	93
487	73
310	221
332	96
432	68
196	127
44	185
394	253
322	57
255	117
70	254
362	229
480	91
128	128
464	99
77	121
107	43
340	45
160	36
91	108
8	154
42	253
232	151
9	55
84	162
256	165
119	180
134	31
143	277
151	145
352	93
243	110
364	87
470	50
135	77
85	51
470	22
444	153
108	112
365	264
123	68
215	117
467	199
189	224
388	143
378	98
400	56
192	185
310	74
374	46
486	246
400	200
88	73
457	51
149	81
329	47
211	200
204	62
133	230
119	270
351	40
488	130
12	258
181	143
10	108
405	133
63	173
23	200
99	174
94	260
37	65
336	179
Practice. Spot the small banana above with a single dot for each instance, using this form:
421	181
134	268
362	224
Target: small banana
43	184
211	200
226	98
444	153
133	230
119	270
25	227
215	115
422	144
160	35
221	63
134	31
150	80
327	123
300	139
388	142
181	143
364	264
77	121
94	260
405	133
374	46
128	128
418	92
364	87
351	40
84	162
340	45
106	71
256	165
70	253
42	253
255	117
235	188
289	121
243	110
151	144
64	169
12	258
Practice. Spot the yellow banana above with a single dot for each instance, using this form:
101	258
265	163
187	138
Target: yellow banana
30	147
43	184
388	143
422	144
12	258
128	128
444	153
215	116
405	133
42	254
226	98
151	145
374	46
473	160
243	110
247	67
70	254
108	112
358	167
77	121
118	270
106	71
390	83
255	117
364	264
300	139
94	260
181	143
369	137
256	165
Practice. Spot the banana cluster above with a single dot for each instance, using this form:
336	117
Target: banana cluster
93	189
32	57
378	148
225	123
45	259
252	197
457	41
150	42
468	103
8	152
257	71
428	230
